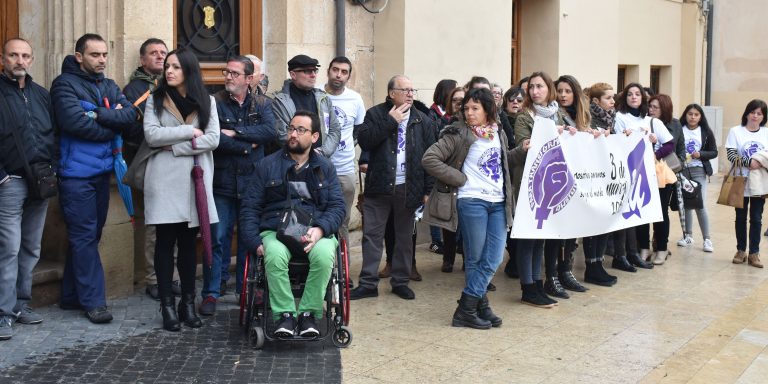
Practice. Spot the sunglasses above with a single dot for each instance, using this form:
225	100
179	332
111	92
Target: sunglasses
307	71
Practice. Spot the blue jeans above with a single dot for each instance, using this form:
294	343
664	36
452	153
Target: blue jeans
484	227
529	254
755	207
21	228
434	233
84	205
227	209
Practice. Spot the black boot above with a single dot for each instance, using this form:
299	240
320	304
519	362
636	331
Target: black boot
466	314
553	288
596	274
569	282
187	312
542	293
484	312
168	310
635	260
621	263
531	297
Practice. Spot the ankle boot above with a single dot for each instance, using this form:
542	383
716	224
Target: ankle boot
754	260
661	257
168	310
621	263
187	312
542	293
531	297
596	274
553	288
569	282
484	312
646	254
384	273
511	268
637	261
466	314
447	262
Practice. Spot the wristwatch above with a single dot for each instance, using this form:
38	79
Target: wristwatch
92	114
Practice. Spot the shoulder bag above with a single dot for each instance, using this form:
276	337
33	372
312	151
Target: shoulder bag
732	190
294	223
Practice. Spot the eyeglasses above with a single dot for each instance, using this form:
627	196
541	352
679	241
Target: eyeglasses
234	74
299	131
307	71
496	93
407	90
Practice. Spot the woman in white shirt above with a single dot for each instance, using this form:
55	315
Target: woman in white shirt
632	116
742	143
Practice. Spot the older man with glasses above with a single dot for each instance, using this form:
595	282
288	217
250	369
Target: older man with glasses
299	93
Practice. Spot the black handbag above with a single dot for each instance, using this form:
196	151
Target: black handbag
42	182
692	198
294	224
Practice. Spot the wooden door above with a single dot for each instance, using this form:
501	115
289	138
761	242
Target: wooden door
9	21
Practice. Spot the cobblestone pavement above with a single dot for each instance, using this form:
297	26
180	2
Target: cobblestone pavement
67	348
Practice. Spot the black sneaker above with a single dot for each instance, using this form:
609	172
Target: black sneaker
99	315
287	325
362	292
404	292
307	325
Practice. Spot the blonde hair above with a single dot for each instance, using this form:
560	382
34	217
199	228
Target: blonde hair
597	90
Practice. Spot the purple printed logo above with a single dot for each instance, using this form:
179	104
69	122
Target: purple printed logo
490	164
550	184
401	137
640	190
342	145
341	116
692	146
751	148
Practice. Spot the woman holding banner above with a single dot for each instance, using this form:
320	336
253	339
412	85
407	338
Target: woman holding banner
743	142
473	190
632	116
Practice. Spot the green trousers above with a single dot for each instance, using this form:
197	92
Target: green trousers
276	257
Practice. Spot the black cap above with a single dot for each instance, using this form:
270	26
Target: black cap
302	61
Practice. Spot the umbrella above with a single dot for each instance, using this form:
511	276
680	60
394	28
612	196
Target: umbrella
201	202
680	202
120	168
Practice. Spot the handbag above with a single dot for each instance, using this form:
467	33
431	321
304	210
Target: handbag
42	182
692	197
134	176
441	202
732	190
294	224
673	162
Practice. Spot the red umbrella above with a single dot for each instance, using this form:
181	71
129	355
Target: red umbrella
201	202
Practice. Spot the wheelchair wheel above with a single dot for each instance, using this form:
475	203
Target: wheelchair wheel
244	293
342	337
344	270
257	337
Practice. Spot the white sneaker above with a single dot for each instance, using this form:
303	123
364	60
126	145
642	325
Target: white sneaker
687	240
708	246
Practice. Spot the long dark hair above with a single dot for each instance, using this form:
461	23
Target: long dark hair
581	104
665	106
751	106
193	82
702	122
442	89
621	102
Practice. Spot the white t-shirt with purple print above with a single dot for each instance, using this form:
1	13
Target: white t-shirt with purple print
485	176
350	111
692	144
401	135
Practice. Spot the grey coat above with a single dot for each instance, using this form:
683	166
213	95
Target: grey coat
284	108
169	191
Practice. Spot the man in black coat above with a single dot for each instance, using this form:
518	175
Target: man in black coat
396	137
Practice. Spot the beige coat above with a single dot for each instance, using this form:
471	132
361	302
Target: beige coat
757	182
169	191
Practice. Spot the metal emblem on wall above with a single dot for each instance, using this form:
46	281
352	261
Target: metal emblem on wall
209	28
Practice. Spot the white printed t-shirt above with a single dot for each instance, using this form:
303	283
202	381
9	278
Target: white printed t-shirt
746	143
485	175
693	143
350	111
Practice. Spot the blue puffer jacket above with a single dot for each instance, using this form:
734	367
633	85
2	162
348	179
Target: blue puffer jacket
235	159
86	144
266	197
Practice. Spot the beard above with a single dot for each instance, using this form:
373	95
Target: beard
296	148
17	73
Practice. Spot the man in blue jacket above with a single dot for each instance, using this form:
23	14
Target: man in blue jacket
247	125
300	176
89	111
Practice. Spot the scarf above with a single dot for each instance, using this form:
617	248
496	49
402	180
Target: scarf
603	118
485	131
186	105
633	111
548	112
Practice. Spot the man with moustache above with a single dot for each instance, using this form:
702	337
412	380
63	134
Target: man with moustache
27	116
247	124
90	110
306	178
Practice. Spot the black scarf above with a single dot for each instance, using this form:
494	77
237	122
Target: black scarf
186	105
571	110
633	111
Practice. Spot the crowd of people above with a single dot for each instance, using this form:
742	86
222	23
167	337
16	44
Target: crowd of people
201	165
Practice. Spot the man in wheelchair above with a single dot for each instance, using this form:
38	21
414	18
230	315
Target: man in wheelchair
311	181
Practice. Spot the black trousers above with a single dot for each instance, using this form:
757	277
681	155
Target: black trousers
181	236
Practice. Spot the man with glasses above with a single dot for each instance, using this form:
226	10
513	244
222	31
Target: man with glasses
299	93
308	180
396	137
247	125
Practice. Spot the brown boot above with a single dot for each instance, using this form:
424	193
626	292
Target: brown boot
754	260
415	275
384	273
740	257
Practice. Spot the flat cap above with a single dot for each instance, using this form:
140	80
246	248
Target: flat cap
302	61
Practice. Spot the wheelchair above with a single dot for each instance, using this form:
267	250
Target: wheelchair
256	313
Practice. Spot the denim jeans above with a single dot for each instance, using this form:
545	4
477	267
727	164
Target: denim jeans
434	233
227	209
755	207
21	228
84	206
528	255
484	227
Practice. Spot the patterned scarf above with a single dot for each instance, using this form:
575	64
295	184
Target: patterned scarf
485	131
603	118
548	112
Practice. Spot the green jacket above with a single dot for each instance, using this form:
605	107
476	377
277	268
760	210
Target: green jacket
523	131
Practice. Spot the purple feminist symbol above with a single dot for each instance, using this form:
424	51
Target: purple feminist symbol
342	145
490	164
552	185
691	146
400	138
751	148
640	190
